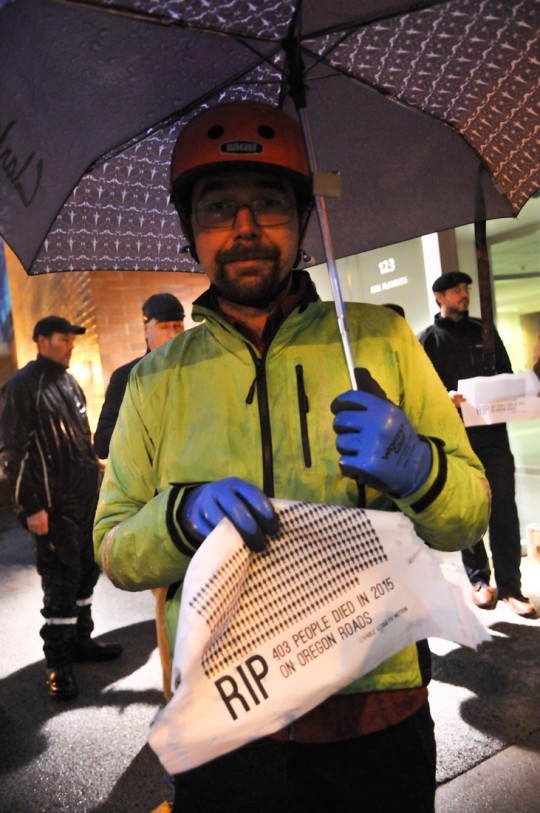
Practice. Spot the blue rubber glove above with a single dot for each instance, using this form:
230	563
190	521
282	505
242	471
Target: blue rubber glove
379	445
247	507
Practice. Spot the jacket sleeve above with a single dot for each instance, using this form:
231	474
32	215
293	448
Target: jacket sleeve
109	414
451	510
17	434
137	541
504	365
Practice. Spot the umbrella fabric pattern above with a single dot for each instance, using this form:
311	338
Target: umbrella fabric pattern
428	110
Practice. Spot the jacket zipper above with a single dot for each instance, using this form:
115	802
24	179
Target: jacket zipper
259	385
303	408
264	416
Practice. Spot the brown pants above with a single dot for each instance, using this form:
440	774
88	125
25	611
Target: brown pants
160	594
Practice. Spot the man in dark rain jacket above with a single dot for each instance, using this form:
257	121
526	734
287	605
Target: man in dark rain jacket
163	319
46	454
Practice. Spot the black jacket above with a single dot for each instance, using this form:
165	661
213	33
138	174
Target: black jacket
111	408
455	350
45	440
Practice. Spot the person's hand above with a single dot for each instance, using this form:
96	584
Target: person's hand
378	444
457	398
245	505
38	523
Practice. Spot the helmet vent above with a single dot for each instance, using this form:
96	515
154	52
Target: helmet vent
216	131
265	131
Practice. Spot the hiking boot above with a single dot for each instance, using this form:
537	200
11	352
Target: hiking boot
60	682
89	650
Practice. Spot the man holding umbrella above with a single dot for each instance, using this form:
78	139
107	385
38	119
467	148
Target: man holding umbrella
251	405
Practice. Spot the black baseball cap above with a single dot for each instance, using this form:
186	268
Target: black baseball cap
450	280
163	308
55	324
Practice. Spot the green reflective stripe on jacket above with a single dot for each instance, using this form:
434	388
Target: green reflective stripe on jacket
188	418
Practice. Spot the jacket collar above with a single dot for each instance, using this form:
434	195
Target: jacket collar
51	366
300	293
451	324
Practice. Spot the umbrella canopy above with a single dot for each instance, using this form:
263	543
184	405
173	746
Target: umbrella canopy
427	109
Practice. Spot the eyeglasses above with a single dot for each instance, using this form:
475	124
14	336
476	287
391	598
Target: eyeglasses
274	209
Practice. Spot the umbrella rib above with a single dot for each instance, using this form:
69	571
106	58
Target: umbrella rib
351	28
246	40
161	19
335	70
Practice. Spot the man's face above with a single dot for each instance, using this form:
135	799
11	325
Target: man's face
245	261
454	302
57	347
157	333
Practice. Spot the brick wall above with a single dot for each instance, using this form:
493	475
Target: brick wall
107	303
118	297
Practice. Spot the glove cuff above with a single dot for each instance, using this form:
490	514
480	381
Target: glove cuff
439	480
185	543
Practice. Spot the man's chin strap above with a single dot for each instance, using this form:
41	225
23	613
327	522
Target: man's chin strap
303	258
190	249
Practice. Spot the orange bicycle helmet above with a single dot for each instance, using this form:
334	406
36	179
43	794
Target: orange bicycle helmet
248	134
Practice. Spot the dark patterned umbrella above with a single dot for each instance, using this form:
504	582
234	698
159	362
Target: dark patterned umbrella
428	109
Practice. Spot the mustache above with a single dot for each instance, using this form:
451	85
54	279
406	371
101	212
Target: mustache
242	253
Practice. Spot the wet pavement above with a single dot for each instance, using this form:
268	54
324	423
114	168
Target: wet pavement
90	754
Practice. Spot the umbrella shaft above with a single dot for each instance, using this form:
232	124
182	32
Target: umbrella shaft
336	289
329	252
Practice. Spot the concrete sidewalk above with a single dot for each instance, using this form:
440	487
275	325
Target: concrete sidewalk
487	709
89	755
508	782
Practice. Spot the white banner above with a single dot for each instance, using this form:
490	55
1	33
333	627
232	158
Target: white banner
264	638
500	398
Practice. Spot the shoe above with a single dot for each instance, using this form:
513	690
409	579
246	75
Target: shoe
521	605
60	682
483	596
90	650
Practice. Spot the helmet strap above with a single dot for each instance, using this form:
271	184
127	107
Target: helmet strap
191	250
303	257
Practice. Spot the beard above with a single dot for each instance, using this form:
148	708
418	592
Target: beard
249	286
461	310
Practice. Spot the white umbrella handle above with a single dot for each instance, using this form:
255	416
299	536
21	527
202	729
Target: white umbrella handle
320	205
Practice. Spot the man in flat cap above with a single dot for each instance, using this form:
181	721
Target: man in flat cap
47	456
454	344
163	319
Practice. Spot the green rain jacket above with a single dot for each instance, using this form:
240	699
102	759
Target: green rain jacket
206	406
